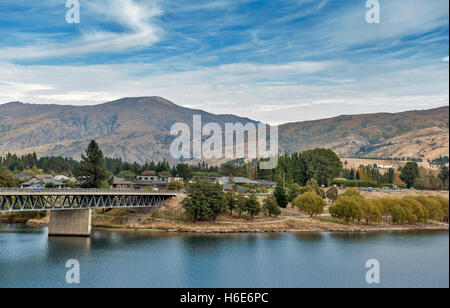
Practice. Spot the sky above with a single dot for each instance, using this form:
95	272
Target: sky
275	61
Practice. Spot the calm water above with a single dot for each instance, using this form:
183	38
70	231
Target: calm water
143	259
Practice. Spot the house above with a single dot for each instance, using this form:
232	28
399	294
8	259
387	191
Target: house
23	176
148	178
148	182
120	183
39	184
43	176
267	184
236	180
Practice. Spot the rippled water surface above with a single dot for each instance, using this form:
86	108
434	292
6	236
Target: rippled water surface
28	258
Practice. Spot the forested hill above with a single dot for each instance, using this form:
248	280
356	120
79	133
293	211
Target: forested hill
137	129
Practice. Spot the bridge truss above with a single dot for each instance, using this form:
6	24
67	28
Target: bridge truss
22	200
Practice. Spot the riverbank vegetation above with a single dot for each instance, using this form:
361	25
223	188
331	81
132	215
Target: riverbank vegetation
352	207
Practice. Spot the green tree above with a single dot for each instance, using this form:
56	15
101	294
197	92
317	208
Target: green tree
333	194
232	201
352	192
323	165
241	204
270	206
127	175
205	200
50	185
346	207
371	211
175	186
6	178
409	174
92	172
253	206
313	185
294	191
310	203
281	195
444	176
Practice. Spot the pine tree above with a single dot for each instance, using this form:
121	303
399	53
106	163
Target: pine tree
92	171
281	196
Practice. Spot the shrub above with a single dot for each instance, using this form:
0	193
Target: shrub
346	208
310	203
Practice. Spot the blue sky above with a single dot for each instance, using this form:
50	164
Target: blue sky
273	60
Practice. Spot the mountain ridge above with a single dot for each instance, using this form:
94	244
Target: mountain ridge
137	129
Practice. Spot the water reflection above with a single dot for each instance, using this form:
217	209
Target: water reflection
65	248
28	258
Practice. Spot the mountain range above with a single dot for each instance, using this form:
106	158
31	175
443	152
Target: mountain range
137	129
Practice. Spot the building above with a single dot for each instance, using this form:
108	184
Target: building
236	180
120	183
65	178
267	184
39	184
148	182
23	176
43	176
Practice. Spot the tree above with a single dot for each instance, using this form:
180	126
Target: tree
281	195
346	208
294	191
253	206
50	185
313	185
270	207
205	200
352	192
6	178
310	203
371	211
333	194
443	176
127	175
232	201
322	164
358	176
175	186
241	204
409	174
92	172
184	171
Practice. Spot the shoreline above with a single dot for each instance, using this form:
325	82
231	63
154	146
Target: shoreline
257	231
350	229
284	225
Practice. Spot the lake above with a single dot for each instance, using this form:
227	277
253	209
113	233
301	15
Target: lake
28	258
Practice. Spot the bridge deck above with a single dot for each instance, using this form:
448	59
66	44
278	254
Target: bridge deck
19	200
84	192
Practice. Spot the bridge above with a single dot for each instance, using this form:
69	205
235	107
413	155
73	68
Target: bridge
71	209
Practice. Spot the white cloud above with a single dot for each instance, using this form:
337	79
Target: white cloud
445	59
264	92
135	18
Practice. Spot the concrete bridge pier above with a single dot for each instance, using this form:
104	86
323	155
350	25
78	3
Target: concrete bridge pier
70	223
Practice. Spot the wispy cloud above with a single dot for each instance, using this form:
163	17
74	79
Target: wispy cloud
276	61
138	32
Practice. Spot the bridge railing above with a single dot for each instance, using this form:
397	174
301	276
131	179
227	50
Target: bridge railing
86	190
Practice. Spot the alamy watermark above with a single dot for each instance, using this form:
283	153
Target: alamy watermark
73	274
373	15
238	137
73	14
373	275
